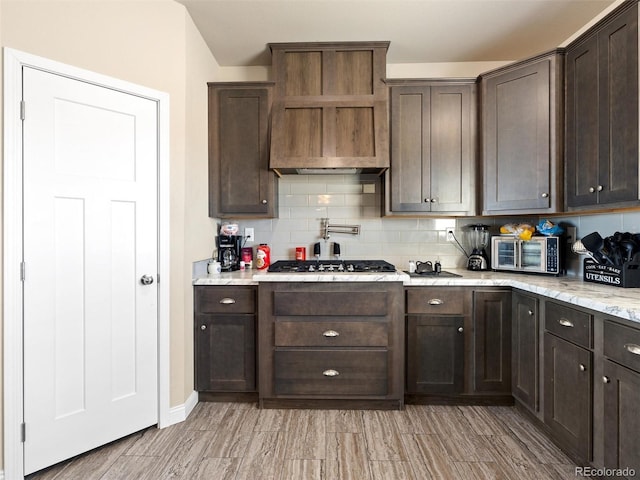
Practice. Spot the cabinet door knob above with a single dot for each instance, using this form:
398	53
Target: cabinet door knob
330	333
565	323
264	202
436	301
583	368
600	188
592	190
530	312
203	327
434	200
427	200
460	329
632	348
606	379
228	301
331	373
544	195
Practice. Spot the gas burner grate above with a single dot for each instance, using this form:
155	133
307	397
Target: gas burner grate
332	266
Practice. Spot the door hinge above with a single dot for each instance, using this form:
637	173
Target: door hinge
23	432
21	109
22	271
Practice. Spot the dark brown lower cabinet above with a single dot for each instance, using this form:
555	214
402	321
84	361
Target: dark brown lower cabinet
525	350
225	353
621	418
336	345
492	341
568	395
225	339
435	354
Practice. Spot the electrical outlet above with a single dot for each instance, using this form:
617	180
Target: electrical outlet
249	234
450	237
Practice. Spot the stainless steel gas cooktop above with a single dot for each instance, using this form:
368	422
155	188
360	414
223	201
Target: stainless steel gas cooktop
332	266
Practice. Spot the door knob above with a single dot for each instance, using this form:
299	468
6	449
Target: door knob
146	279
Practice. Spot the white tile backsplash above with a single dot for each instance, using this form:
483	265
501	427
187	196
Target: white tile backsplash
306	199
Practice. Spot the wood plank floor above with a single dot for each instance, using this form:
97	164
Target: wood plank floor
237	441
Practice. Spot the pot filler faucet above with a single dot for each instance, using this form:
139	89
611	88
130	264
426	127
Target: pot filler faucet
348	229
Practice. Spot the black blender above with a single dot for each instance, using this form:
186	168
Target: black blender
478	240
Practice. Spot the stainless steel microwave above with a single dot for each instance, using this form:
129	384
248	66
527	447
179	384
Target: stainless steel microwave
538	255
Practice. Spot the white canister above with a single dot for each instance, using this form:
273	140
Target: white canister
214	268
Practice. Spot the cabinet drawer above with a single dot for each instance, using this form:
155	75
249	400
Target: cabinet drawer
569	323
225	299
622	344
331	334
436	300
331	372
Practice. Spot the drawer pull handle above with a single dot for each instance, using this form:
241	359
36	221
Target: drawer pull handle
583	368
331	373
632	348
436	301
228	301
565	323
605	380
330	333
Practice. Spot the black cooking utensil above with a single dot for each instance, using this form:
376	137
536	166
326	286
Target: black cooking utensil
316	250
595	244
611	248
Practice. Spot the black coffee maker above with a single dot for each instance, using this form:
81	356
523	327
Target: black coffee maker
229	248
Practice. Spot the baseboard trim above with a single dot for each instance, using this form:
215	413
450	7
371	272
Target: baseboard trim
180	413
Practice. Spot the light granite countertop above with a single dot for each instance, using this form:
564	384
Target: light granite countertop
619	302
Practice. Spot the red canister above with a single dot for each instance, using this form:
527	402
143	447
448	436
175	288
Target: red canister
263	256
301	253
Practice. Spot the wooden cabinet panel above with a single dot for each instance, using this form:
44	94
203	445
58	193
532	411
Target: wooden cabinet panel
331	372
240	183
225	338
225	353
214	299
582	123
522	137
331	341
568	394
568	323
621	419
331	334
330	106
492	341
432	148
602	114
525	350
438	300
435	354
622	344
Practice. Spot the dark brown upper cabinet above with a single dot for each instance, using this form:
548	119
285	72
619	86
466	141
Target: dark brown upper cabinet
240	182
522	136
432	148
330	106
602	114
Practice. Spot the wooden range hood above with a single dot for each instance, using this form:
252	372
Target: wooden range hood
330	106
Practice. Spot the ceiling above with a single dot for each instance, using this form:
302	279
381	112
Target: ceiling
420	31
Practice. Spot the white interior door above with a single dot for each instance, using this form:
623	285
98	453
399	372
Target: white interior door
90	235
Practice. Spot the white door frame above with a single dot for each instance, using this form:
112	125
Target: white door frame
14	61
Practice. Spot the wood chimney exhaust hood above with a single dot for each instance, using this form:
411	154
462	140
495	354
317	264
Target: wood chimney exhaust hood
330	106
